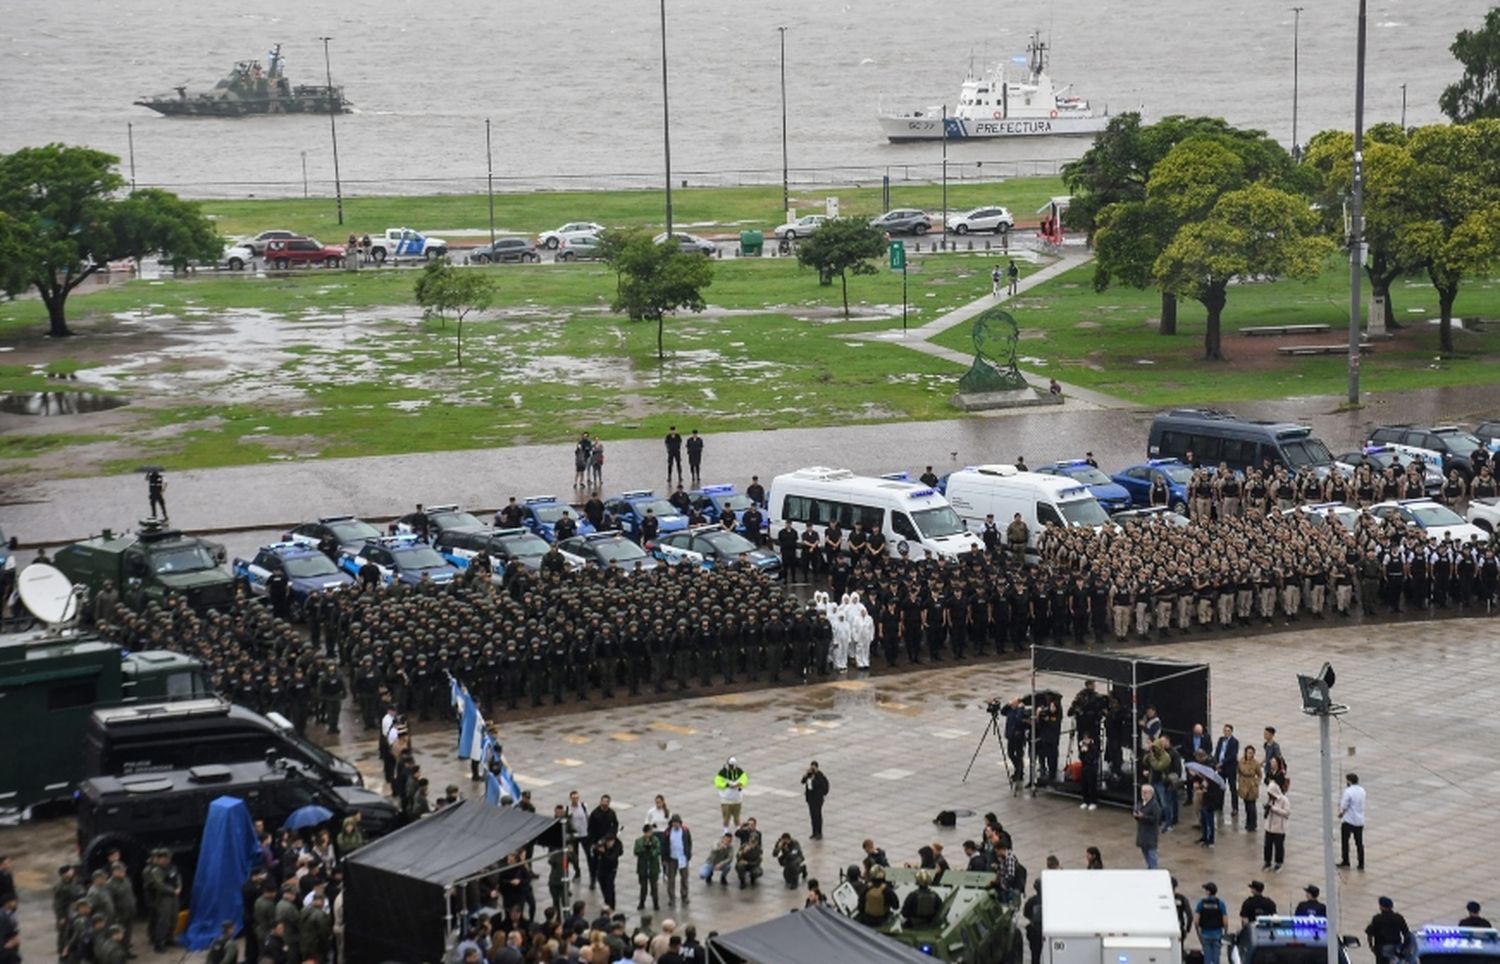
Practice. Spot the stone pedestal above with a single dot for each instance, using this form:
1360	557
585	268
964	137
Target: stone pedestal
1010	398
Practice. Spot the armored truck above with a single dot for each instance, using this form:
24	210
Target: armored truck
156	561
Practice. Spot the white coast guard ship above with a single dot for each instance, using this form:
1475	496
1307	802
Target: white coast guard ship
992	106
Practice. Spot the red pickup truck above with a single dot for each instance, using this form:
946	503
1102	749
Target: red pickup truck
285	253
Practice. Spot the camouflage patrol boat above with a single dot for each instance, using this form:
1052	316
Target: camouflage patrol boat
251	88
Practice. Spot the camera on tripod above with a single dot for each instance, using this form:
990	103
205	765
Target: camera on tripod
996	706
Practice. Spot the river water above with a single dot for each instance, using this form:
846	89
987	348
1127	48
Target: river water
573	88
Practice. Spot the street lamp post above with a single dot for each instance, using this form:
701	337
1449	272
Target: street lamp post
130	138
1296	71
666	119
786	198
489	164
1403	107
304	175
945	176
1357	210
1317	701
333	130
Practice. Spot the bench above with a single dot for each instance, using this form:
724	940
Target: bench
1284	330
1364	348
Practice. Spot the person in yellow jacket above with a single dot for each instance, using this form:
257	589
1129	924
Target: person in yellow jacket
731	781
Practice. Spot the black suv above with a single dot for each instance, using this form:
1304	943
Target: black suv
168	808
506	249
1449	443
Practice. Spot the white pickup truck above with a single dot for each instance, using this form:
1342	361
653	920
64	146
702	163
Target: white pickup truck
406	243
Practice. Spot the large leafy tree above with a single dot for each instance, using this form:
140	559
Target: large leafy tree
1454	184
443	289
843	246
1258	231
62	218
1477	93
658	279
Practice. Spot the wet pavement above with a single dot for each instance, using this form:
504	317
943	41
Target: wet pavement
1421	734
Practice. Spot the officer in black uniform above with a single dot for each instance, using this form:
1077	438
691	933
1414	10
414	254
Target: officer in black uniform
156	493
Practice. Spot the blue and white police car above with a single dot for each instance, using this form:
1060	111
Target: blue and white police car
1138	478
346	530
606	549
713	546
1333	513
1437	944
433	520
1285	940
306	569
540	514
711	500
406	243
1111	495
1382	457
629	508
506	547
403	558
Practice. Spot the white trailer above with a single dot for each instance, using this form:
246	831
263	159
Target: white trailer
1109	917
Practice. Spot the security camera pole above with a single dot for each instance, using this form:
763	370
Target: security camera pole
1316	702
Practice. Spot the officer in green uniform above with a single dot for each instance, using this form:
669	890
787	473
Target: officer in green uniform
223	950
162	885
122	894
111	950
65	893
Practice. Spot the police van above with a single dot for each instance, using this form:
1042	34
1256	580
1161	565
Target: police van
1436	944
1286	940
1214	437
911	516
1005	491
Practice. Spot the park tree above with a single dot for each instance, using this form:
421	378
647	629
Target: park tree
843	246
1454	185
65	218
658	279
444	289
1476	94
1255	231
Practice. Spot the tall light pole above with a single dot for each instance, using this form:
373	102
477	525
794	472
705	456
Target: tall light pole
1403	107
489	164
130	139
1316	701
1296	71
786	194
333	130
1357	212
666	119
945	176
304	174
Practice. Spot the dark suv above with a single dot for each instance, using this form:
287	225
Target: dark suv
904	221
168	808
283	254
505	250
1447	443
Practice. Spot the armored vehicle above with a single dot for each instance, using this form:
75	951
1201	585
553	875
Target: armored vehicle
973	926
250	88
156	561
144	811
49	686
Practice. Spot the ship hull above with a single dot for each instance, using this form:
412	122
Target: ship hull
227	107
899	128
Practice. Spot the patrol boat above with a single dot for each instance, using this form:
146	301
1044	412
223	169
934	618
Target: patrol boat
251	88
993	106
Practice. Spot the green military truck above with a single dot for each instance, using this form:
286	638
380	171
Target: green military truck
153	562
49	686
970	925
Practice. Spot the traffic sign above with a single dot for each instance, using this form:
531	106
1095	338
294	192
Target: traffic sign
898	256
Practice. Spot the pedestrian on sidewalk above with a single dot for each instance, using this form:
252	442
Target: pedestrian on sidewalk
695	458
995	278
1147	818
1278	812
1014	274
1352	817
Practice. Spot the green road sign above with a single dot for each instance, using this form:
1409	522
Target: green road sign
898	256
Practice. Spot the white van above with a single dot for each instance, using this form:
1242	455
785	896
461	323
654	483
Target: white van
1004	490
910	516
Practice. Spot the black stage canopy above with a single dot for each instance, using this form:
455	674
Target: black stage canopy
816	934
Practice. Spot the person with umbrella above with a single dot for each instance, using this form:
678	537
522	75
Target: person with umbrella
1209	795
156	488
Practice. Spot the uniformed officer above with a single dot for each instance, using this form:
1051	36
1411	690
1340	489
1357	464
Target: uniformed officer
162	885
331	693
122	899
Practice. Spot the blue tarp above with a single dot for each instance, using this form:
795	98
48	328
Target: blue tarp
227	852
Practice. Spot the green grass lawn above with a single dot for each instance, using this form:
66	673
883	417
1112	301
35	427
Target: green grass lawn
727	208
1108	340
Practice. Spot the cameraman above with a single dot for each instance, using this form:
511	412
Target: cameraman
1048	723
1087	710
1017	733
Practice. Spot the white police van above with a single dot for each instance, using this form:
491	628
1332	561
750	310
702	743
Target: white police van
911	516
1005	491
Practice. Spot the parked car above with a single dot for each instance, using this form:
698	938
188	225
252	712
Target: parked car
552	240
800	228
1434	519
1447	445
579	247
237	256
1382	457
258	243
1489	434
506	250
283	254
996	219
690	243
904	221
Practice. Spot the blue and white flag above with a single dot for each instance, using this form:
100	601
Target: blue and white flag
455	693
492	790
508	784
471	732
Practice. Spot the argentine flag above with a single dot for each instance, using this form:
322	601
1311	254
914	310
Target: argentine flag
508	784
492	790
471	731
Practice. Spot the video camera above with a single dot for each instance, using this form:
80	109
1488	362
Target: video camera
995	705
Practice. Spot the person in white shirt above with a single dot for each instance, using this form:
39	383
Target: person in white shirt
578	829
1352	815
659	816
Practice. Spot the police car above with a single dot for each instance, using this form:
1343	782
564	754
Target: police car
1381	457
1485	513
1436	944
1286	940
604	549
711	499
506	547
1137	480
1346	516
402	558
435	520
1111	495
629	508
1436	520
713	546
306	569
540	513
347	531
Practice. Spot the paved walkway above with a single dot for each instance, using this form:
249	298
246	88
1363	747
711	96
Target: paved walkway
1421	735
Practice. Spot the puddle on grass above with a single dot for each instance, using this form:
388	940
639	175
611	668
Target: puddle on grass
60	403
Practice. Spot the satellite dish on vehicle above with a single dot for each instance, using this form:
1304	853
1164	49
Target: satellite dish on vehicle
48	594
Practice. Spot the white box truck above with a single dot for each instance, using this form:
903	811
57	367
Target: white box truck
1109	917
